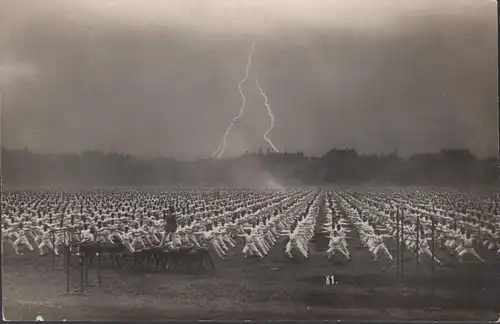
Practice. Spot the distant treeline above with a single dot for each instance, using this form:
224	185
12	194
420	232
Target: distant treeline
450	167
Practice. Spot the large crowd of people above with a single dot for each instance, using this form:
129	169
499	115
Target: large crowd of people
458	223
45	221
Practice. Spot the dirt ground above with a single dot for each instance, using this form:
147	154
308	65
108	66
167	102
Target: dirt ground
275	288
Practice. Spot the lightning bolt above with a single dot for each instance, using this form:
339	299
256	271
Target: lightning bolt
222	146
270	112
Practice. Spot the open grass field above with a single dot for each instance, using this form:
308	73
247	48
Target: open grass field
273	288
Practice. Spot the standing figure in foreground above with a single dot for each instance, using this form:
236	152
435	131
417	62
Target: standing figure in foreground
22	239
467	248
379	245
336	244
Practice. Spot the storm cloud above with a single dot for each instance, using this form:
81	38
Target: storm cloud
161	77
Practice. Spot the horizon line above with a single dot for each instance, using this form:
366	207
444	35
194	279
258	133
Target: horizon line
258	152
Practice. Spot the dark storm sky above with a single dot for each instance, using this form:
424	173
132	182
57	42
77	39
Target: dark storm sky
121	75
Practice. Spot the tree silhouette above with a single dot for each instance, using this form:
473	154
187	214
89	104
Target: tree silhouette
94	168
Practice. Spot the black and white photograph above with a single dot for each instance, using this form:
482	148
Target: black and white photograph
250	160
